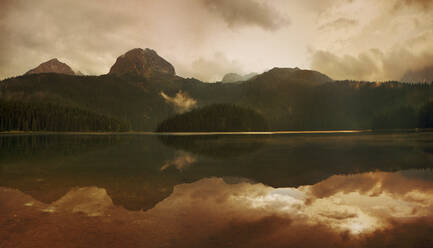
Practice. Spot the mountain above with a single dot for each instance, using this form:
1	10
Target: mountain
142	63
288	99
52	66
234	77
418	76
294	75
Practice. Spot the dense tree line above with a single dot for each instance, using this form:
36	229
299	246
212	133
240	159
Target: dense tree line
215	118
288	99
38	116
337	104
121	98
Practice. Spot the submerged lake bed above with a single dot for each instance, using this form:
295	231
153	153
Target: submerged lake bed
293	189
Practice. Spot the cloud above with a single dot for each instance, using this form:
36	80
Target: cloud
423	4
90	35
247	13
346	67
372	65
211	69
373	184
69	30
326	5
323	5
384	44
181	101
340	23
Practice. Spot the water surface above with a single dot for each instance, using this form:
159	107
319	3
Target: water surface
349	189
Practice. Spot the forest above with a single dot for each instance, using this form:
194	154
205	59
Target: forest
215	118
288	99
49	117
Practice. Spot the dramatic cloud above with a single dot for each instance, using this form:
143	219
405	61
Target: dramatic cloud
247	13
384	45
181	101
206	39
372	65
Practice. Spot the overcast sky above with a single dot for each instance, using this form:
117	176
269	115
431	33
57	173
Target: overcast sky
346	39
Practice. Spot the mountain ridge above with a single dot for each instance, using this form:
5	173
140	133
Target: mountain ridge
288	98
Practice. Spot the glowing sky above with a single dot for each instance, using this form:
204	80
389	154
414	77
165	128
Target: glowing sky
356	39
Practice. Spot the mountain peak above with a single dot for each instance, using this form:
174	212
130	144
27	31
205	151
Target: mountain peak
52	66
55	60
141	62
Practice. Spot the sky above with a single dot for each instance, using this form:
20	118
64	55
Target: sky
345	39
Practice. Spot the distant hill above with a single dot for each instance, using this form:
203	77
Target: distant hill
278	76
215	118
288	98
234	77
52	66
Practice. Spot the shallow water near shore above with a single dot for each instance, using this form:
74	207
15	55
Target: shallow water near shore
345	189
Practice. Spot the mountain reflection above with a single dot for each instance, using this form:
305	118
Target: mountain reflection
139	171
373	209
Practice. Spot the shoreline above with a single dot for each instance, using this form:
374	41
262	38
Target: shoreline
13	133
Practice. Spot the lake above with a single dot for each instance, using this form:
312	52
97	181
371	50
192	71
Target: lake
330	189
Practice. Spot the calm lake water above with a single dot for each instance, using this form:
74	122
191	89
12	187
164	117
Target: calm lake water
281	190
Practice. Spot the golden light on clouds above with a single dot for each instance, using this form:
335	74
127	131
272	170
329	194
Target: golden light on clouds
356	39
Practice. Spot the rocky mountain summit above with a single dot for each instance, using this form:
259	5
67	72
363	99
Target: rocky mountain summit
234	77
52	66
144	63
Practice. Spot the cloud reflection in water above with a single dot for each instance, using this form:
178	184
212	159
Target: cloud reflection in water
182	161
362	210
